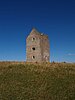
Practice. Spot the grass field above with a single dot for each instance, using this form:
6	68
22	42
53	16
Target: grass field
47	81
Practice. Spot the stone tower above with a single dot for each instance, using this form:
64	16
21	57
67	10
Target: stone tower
37	47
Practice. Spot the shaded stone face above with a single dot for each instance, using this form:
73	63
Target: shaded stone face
37	47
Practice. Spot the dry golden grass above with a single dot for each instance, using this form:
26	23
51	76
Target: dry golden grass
38	81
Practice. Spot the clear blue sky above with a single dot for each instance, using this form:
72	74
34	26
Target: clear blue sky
56	18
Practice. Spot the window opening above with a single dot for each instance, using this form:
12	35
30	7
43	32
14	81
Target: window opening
33	39
33	48
33	57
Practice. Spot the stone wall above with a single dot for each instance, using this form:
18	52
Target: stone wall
37	47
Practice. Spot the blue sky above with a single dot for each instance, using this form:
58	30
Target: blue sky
56	18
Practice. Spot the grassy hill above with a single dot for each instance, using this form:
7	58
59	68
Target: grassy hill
47	81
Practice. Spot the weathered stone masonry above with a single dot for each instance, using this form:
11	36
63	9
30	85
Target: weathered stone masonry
37	47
